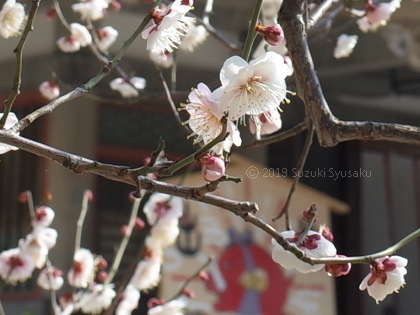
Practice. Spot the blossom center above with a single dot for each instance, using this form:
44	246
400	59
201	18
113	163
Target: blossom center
14	262
252	84
379	271
162	208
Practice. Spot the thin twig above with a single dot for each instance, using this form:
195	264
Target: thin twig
299	167
191	278
17	79
124	241
170	99
294	131
250	37
81	220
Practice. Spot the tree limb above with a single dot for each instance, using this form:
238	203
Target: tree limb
329	129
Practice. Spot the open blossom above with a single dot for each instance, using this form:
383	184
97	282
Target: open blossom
79	37
212	167
15	266
165	232
268	123
337	270
385	277
173	307
147	273
345	45
10	122
49	89
252	88
196	35
162	59
314	245
206	120
162	205
106	37
50	279
169	26
377	15
43	217
91	9
12	16
127	89
96	299
129	300
82	272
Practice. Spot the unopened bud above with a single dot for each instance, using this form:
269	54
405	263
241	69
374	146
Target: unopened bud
273	34
139	224
188	293
338	270
212	167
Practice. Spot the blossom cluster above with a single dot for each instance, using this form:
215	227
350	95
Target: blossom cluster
386	273
18	264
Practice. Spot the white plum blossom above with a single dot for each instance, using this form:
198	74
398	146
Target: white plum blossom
10	122
127	89
206	120
91	9
147	273
79	37
12	17
385	277
377	15
50	279
49	89
68	44
96	299
81	34
34	248
196	35
15	266
82	272
174	307
129	301
169	26
161	205
43	217
252	88
314	245
106	37
268	123
162	59
165	232
345	45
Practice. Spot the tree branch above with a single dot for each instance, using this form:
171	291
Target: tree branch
329	129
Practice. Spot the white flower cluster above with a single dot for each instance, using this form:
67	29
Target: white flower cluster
255	89
385	277
17	264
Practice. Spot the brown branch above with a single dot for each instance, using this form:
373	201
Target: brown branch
294	131
329	129
47	109
82	165
300	165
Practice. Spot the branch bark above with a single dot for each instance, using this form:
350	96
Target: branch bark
329	129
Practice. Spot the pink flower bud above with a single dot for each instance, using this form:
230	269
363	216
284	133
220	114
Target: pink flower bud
306	215
101	263
212	167
115	6
101	276
49	90
204	276
139	224
273	34
125	231
188	293
155	302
